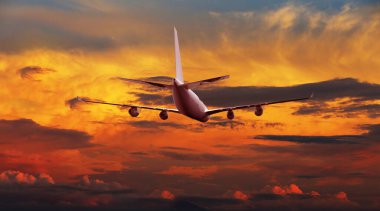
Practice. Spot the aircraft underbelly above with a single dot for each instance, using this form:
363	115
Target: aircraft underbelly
188	103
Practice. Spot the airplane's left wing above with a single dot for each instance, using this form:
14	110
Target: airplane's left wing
214	111
127	105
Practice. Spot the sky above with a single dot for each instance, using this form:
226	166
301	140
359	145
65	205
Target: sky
320	154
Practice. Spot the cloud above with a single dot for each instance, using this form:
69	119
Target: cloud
291	189
29	72
341	195
26	132
323	91
76	102
99	186
315	194
240	195
176	148
194	172
203	157
345	109
156	125
365	138
10	177
167	195
349	139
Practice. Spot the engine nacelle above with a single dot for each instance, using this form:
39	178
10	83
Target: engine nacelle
164	115
259	111
133	111
230	114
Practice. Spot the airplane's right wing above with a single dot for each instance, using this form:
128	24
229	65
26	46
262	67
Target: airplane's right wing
259	105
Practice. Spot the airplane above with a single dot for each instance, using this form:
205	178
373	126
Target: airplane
186	101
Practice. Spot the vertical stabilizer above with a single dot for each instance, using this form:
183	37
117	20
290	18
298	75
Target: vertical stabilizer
178	64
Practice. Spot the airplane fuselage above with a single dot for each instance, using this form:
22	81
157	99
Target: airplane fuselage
188	103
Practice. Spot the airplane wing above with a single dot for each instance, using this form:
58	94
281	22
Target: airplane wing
214	111
127	105
195	84
165	86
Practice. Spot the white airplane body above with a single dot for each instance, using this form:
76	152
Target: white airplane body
186	101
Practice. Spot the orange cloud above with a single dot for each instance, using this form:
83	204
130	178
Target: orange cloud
342	196
291	189
315	194
240	196
167	195
18	177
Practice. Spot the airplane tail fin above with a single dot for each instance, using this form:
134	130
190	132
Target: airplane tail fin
178	64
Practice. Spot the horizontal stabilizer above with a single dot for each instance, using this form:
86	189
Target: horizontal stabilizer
165	86
193	85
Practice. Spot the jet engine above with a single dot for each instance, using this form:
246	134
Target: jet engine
164	115
133	111
230	114
259	111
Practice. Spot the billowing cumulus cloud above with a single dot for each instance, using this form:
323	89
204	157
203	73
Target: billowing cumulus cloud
291	189
10	177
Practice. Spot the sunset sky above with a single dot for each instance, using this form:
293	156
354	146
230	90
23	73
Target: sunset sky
319	154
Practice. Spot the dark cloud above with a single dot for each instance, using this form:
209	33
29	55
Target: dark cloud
224	123
156	125
139	153
204	157
27	34
27	132
323	91
312	139
29	71
366	138
348	110
176	148
153	99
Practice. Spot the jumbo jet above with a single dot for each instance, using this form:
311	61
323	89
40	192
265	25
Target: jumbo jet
186	101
